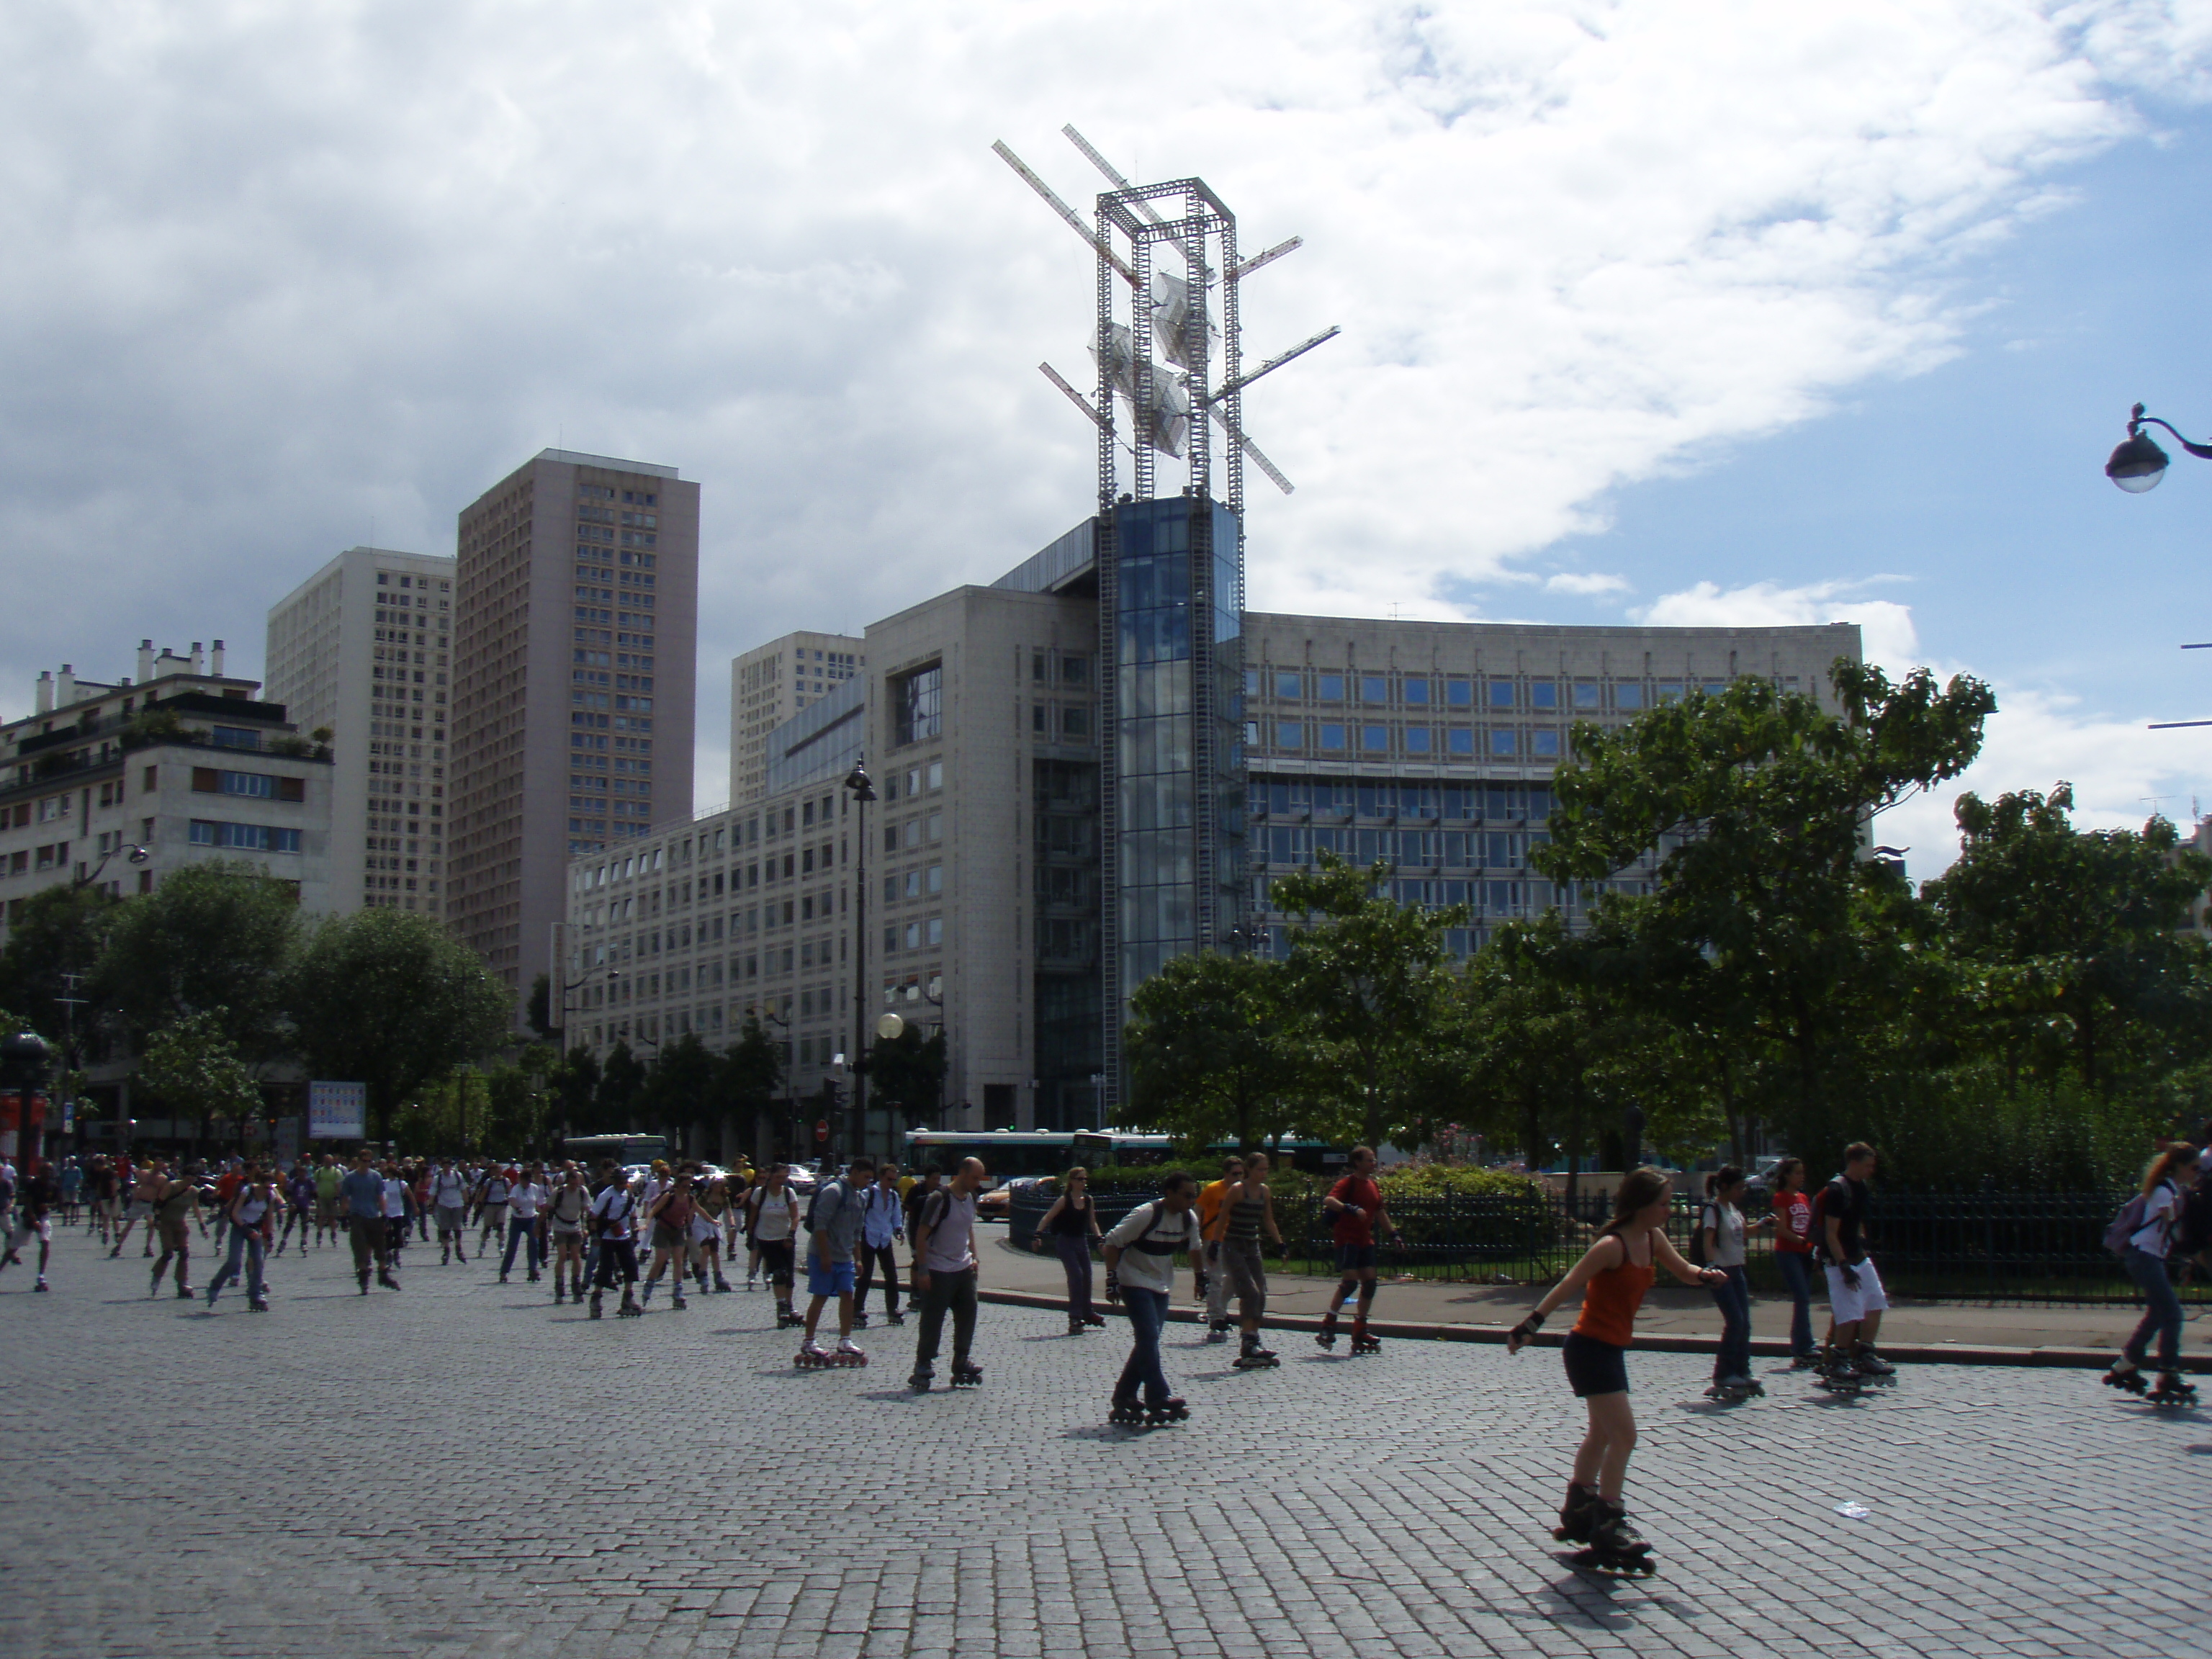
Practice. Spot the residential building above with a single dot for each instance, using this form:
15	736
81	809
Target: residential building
363	650
1012	854
575	608
119	784
769	684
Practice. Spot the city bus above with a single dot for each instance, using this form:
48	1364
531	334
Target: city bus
1011	1154
588	1150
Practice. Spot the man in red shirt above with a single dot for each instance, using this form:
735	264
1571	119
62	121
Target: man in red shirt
1355	1206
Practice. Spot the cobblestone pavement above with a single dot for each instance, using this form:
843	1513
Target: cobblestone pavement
462	1469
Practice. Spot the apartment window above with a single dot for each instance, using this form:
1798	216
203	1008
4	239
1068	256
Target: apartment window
1375	739
1074	671
1504	742
1037	718
1628	694
1328	688
1414	687
1501	694
1544	743
1332	737
1075	722
1036	667
1289	688
150	780
244	837
1586	694
1543	693
1374	689
1290	734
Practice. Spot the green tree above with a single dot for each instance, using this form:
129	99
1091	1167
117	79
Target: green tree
749	1076
194	1067
678	1087
906	1074
392	1000
217	935
1212	1051
1755	800
59	933
540	1007
575	1082
621	1081
2068	939
1369	987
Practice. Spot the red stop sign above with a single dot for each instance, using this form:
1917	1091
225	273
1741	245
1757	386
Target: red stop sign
822	1129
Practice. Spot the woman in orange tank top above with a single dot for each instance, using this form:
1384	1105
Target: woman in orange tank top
1612	1276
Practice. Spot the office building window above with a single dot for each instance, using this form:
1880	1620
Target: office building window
917	700
1374	739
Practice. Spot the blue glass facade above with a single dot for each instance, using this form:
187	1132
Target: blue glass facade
1176	621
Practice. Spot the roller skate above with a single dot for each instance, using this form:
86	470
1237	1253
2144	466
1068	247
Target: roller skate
645	1298
847	1353
1169	1410
859	1319
1095	1321
1728	1392
1326	1336
921	1379
752	1281
258	1306
1364	1341
631	1308
534	1276
2171	1391
1804	1362
721	1285
185	1291
895	1316
2127	1377
785	1318
810	1356
1075	1325
1576	1515
676	1302
1872	1366
154	1288
1126	1413
966	1374
1838	1376
1615	1545
595	1305
1255	1358
446	1256
1218	1330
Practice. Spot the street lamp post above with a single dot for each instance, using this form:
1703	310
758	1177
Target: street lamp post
2138	464
863	790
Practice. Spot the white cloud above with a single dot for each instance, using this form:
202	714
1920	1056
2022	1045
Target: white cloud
2121	771
279	277
1590	585
1886	634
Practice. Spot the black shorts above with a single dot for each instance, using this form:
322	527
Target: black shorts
1594	1367
1355	1258
775	1257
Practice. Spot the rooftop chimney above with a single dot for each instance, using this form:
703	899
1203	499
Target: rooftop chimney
214	660
145	661
65	687
197	667
45	692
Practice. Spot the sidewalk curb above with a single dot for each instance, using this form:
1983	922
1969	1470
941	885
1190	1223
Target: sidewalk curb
1942	1353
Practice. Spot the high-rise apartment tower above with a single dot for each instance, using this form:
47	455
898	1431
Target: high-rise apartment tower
364	648
770	684
576	634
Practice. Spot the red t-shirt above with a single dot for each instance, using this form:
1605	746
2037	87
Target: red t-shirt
1792	1223
1358	1190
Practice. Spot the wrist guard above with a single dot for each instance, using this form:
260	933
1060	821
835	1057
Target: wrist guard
1528	1327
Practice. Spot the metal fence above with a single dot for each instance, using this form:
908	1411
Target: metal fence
1966	1246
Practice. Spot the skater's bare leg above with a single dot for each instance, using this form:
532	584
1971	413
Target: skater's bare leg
1602	1460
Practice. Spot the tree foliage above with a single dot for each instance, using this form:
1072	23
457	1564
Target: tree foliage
192	1066
392	1000
1212	1052
55	942
213	936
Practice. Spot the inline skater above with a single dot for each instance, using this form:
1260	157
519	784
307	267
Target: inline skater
362	1193
1249	1210
707	1228
449	1203
299	1205
175	1212
398	1201
1072	1224
613	1217
564	1227
833	1228
1723	1228
1612	1279
1357	1212
104	1212
668	1213
1856	1299
329	1177
1210	1279
1793	1253
70	1184
1140	1253
2171	1174
491	1207
252	1211
775	1222
882	1226
945	1274
141	1205
525	1198
34	1197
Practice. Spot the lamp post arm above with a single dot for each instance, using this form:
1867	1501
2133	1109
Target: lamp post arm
2202	452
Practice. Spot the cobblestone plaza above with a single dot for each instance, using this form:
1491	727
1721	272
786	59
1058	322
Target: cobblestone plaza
461	1468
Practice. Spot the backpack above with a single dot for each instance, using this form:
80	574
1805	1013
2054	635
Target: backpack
2124	1226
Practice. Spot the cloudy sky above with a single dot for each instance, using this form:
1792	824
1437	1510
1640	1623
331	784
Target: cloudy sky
1672	312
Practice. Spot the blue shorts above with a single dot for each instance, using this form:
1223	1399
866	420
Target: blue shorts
1355	1258
836	1280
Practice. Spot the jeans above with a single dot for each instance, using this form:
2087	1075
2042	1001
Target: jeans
1148	1316
2161	1311
521	1228
248	1243
1732	1298
366	1233
957	1293
1075	1259
869	1255
1797	1274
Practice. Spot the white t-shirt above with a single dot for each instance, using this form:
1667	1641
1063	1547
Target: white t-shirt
447	1190
1151	1266
777	1217
1727	1223
2159	1211
950	1221
524	1200
613	1210
395	1199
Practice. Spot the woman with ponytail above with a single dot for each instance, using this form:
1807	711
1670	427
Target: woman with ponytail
2144	1256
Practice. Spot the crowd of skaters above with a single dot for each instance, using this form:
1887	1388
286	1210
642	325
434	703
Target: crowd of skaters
611	1228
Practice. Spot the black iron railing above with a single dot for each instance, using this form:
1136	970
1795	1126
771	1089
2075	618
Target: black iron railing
1971	1247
